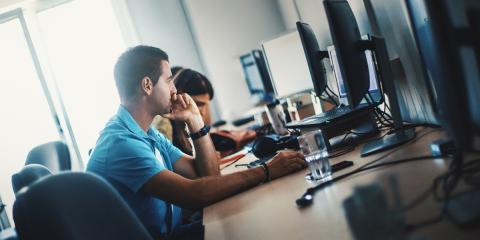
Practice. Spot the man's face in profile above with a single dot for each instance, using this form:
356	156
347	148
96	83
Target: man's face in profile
163	90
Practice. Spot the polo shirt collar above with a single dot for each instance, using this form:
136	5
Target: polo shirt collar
132	125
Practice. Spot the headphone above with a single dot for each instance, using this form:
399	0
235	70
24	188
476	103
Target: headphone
265	146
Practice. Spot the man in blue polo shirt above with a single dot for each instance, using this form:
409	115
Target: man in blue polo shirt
152	175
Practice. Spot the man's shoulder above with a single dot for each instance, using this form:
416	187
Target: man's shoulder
116	130
117	140
120	151
126	142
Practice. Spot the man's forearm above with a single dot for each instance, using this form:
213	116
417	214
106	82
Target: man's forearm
213	189
206	163
201	192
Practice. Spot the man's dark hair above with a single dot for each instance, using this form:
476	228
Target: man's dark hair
135	64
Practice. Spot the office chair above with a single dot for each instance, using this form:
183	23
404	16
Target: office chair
74	205
53	155
28	175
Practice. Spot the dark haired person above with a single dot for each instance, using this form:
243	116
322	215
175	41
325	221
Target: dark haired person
201	90
197	86
152	175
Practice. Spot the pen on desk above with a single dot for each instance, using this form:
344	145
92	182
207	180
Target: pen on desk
233	159
241	165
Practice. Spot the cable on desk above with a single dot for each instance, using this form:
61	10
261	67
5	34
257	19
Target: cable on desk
424	223
397	149
351	148
448	190
307	198
446	183
422	197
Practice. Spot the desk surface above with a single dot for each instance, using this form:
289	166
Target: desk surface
269	210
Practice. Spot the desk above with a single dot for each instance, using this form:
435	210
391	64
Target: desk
269	210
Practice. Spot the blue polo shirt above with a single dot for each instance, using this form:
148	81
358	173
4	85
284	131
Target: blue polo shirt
127	157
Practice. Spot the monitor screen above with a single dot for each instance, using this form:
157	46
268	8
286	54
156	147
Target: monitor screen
374	89
287	65
256	75
252	74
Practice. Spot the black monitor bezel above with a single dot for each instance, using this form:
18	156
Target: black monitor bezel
314	57
451	82
351	57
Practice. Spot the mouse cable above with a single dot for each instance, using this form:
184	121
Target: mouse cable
307	198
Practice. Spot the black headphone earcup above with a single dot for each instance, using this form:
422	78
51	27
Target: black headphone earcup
290	142
264	146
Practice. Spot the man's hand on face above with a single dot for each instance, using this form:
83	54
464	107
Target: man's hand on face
183	108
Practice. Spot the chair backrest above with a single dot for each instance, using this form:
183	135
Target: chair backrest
28	175
53	155
74	205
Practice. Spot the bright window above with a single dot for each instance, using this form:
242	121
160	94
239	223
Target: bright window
83	41
26	118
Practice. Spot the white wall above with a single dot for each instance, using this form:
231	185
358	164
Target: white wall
163	24
224	30
312	13
289	12
209	36
8	3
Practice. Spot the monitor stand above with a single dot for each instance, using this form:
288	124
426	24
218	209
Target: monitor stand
388	142
365	129
399	136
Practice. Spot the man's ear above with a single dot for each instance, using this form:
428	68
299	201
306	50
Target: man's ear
146	85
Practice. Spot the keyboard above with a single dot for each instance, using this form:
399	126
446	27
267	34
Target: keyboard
333	113
326	117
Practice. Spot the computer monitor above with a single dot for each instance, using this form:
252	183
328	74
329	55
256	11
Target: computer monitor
353	64
454	39
351	58
256	75
314	57
374	89
287	65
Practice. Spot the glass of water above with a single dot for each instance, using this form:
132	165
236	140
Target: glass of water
316	154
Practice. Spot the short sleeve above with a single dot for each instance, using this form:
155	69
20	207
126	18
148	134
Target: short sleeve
132	162
168	149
